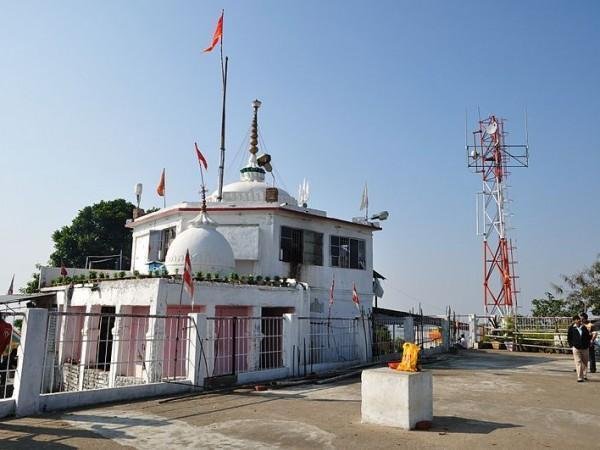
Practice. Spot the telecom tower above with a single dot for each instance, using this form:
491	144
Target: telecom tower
491	157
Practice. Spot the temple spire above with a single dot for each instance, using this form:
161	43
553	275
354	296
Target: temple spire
254	130
252	171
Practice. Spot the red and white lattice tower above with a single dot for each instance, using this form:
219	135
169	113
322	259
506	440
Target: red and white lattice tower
491	157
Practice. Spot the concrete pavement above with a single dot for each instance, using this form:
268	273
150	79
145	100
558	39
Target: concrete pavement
481	399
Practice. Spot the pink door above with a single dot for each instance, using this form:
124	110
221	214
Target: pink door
231	334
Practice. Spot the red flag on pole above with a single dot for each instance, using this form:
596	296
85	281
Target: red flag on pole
201	158
217	36
63	270
355	298
160	189
11	287
331	299
188	282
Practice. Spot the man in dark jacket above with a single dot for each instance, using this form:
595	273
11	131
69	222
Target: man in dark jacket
579	340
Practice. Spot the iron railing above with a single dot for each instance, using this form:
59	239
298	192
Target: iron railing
388	338
331	340
244	344
99	350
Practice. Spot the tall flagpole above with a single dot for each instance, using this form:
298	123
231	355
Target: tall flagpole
224	77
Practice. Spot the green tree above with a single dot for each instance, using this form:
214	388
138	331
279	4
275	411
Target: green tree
582	289
552	307
98	229
32	285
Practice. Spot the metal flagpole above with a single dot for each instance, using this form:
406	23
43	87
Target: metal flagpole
177	329
224	77
362	316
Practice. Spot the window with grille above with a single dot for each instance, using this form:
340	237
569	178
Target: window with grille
160	240
348	253
301	246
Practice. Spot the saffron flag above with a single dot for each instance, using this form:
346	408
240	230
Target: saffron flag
188	282
160	189
331	299
63	270
11	287
364	202
217	36
201	158
355	298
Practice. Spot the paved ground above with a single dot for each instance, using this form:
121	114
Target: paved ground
481	399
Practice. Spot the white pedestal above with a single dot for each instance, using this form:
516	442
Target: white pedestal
396	399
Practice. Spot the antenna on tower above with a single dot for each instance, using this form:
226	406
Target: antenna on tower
491	157
526	132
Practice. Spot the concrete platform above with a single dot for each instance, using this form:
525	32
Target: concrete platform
482	399
396	399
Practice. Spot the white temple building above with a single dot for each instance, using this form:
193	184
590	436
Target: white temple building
281	257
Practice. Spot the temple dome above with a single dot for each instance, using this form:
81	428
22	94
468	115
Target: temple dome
209	250
249	191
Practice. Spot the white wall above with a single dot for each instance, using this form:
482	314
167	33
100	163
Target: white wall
262	228
160	292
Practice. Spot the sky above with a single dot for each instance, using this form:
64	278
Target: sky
97	96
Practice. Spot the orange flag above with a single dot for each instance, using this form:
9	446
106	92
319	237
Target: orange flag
217	36
160	189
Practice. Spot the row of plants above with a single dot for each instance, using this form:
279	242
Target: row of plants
232	278
90	277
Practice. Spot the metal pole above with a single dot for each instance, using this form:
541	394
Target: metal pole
233	342
222	164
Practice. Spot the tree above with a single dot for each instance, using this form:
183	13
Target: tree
97	230
32	285
552	307
582	289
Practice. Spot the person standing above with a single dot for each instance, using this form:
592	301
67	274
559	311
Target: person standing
593	337
579	339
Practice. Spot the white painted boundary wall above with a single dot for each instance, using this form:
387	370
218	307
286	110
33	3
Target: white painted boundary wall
27	398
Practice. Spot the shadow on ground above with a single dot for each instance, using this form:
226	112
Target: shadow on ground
28	436
453	424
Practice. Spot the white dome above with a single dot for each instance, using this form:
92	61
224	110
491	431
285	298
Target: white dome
209	250
249	191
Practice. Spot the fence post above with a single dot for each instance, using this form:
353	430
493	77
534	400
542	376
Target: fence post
472	331
30	368
291	345
445	335
362	338
409	329
197	347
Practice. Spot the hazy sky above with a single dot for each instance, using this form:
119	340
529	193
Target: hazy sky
96	96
